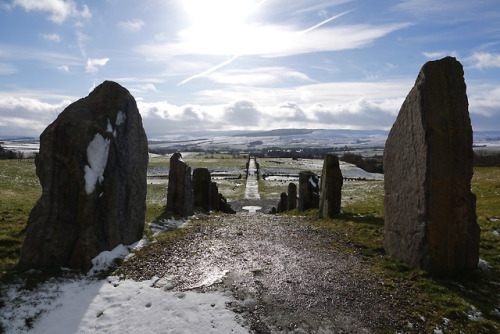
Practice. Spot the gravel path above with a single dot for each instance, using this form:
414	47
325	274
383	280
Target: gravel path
285	275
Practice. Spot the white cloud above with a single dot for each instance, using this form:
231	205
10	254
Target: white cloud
242	113
482	60
59	10
257	76
52	37
440	54
23	114
132	25
93	64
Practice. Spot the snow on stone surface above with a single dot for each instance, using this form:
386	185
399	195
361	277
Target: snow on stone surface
97	156
120	118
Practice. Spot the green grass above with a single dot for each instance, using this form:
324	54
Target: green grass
19	191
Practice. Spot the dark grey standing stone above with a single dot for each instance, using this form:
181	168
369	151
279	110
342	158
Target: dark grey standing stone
180	192
92	169
331	187
292	196
214	197
283	203
224	206
308	191
201	188
429	208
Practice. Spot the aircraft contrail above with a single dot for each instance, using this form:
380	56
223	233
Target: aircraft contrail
326	21
210	70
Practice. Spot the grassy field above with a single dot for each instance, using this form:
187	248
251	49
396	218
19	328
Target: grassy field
467	304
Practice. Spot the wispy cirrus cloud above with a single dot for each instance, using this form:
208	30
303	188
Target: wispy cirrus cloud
52	37
59	10
132	25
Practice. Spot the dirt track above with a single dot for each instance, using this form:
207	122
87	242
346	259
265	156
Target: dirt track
285	275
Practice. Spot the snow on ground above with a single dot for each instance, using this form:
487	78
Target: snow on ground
86	304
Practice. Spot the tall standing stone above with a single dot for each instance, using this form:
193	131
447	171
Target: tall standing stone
429	208
92	168
308	191
180	192
331	187
292	196
201	188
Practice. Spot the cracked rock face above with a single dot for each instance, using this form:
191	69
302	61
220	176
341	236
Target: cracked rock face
430	210
92	169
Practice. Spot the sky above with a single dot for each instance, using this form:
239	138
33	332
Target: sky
197	65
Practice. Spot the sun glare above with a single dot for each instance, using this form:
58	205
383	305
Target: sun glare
207	14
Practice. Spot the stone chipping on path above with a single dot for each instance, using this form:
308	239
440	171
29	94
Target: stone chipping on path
285	275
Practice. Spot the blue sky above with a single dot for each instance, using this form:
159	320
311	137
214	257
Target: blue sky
242	64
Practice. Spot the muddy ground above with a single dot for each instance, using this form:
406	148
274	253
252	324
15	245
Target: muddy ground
285	276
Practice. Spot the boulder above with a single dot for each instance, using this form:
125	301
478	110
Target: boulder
92	168
292	196
331	187
429	207
201	188
308	191
180	192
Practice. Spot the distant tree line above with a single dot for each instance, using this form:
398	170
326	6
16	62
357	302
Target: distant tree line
371	165
486	160
9	154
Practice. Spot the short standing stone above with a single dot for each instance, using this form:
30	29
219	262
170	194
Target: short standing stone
201	188
331	187
180	192
92	169
283	203
214	197
292	196
308	190
430	210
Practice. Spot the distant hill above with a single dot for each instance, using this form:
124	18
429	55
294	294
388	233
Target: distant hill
277	132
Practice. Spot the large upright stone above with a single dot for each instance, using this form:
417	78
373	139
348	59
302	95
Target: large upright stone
180	192
92	169
201	188
308	191
430	210
292	196
331	187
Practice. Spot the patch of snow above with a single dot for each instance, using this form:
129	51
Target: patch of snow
483	265
166	224
114	306
494	219
496	233
252	209
475	315
438	331
120	118
97	156
314	184
104	260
